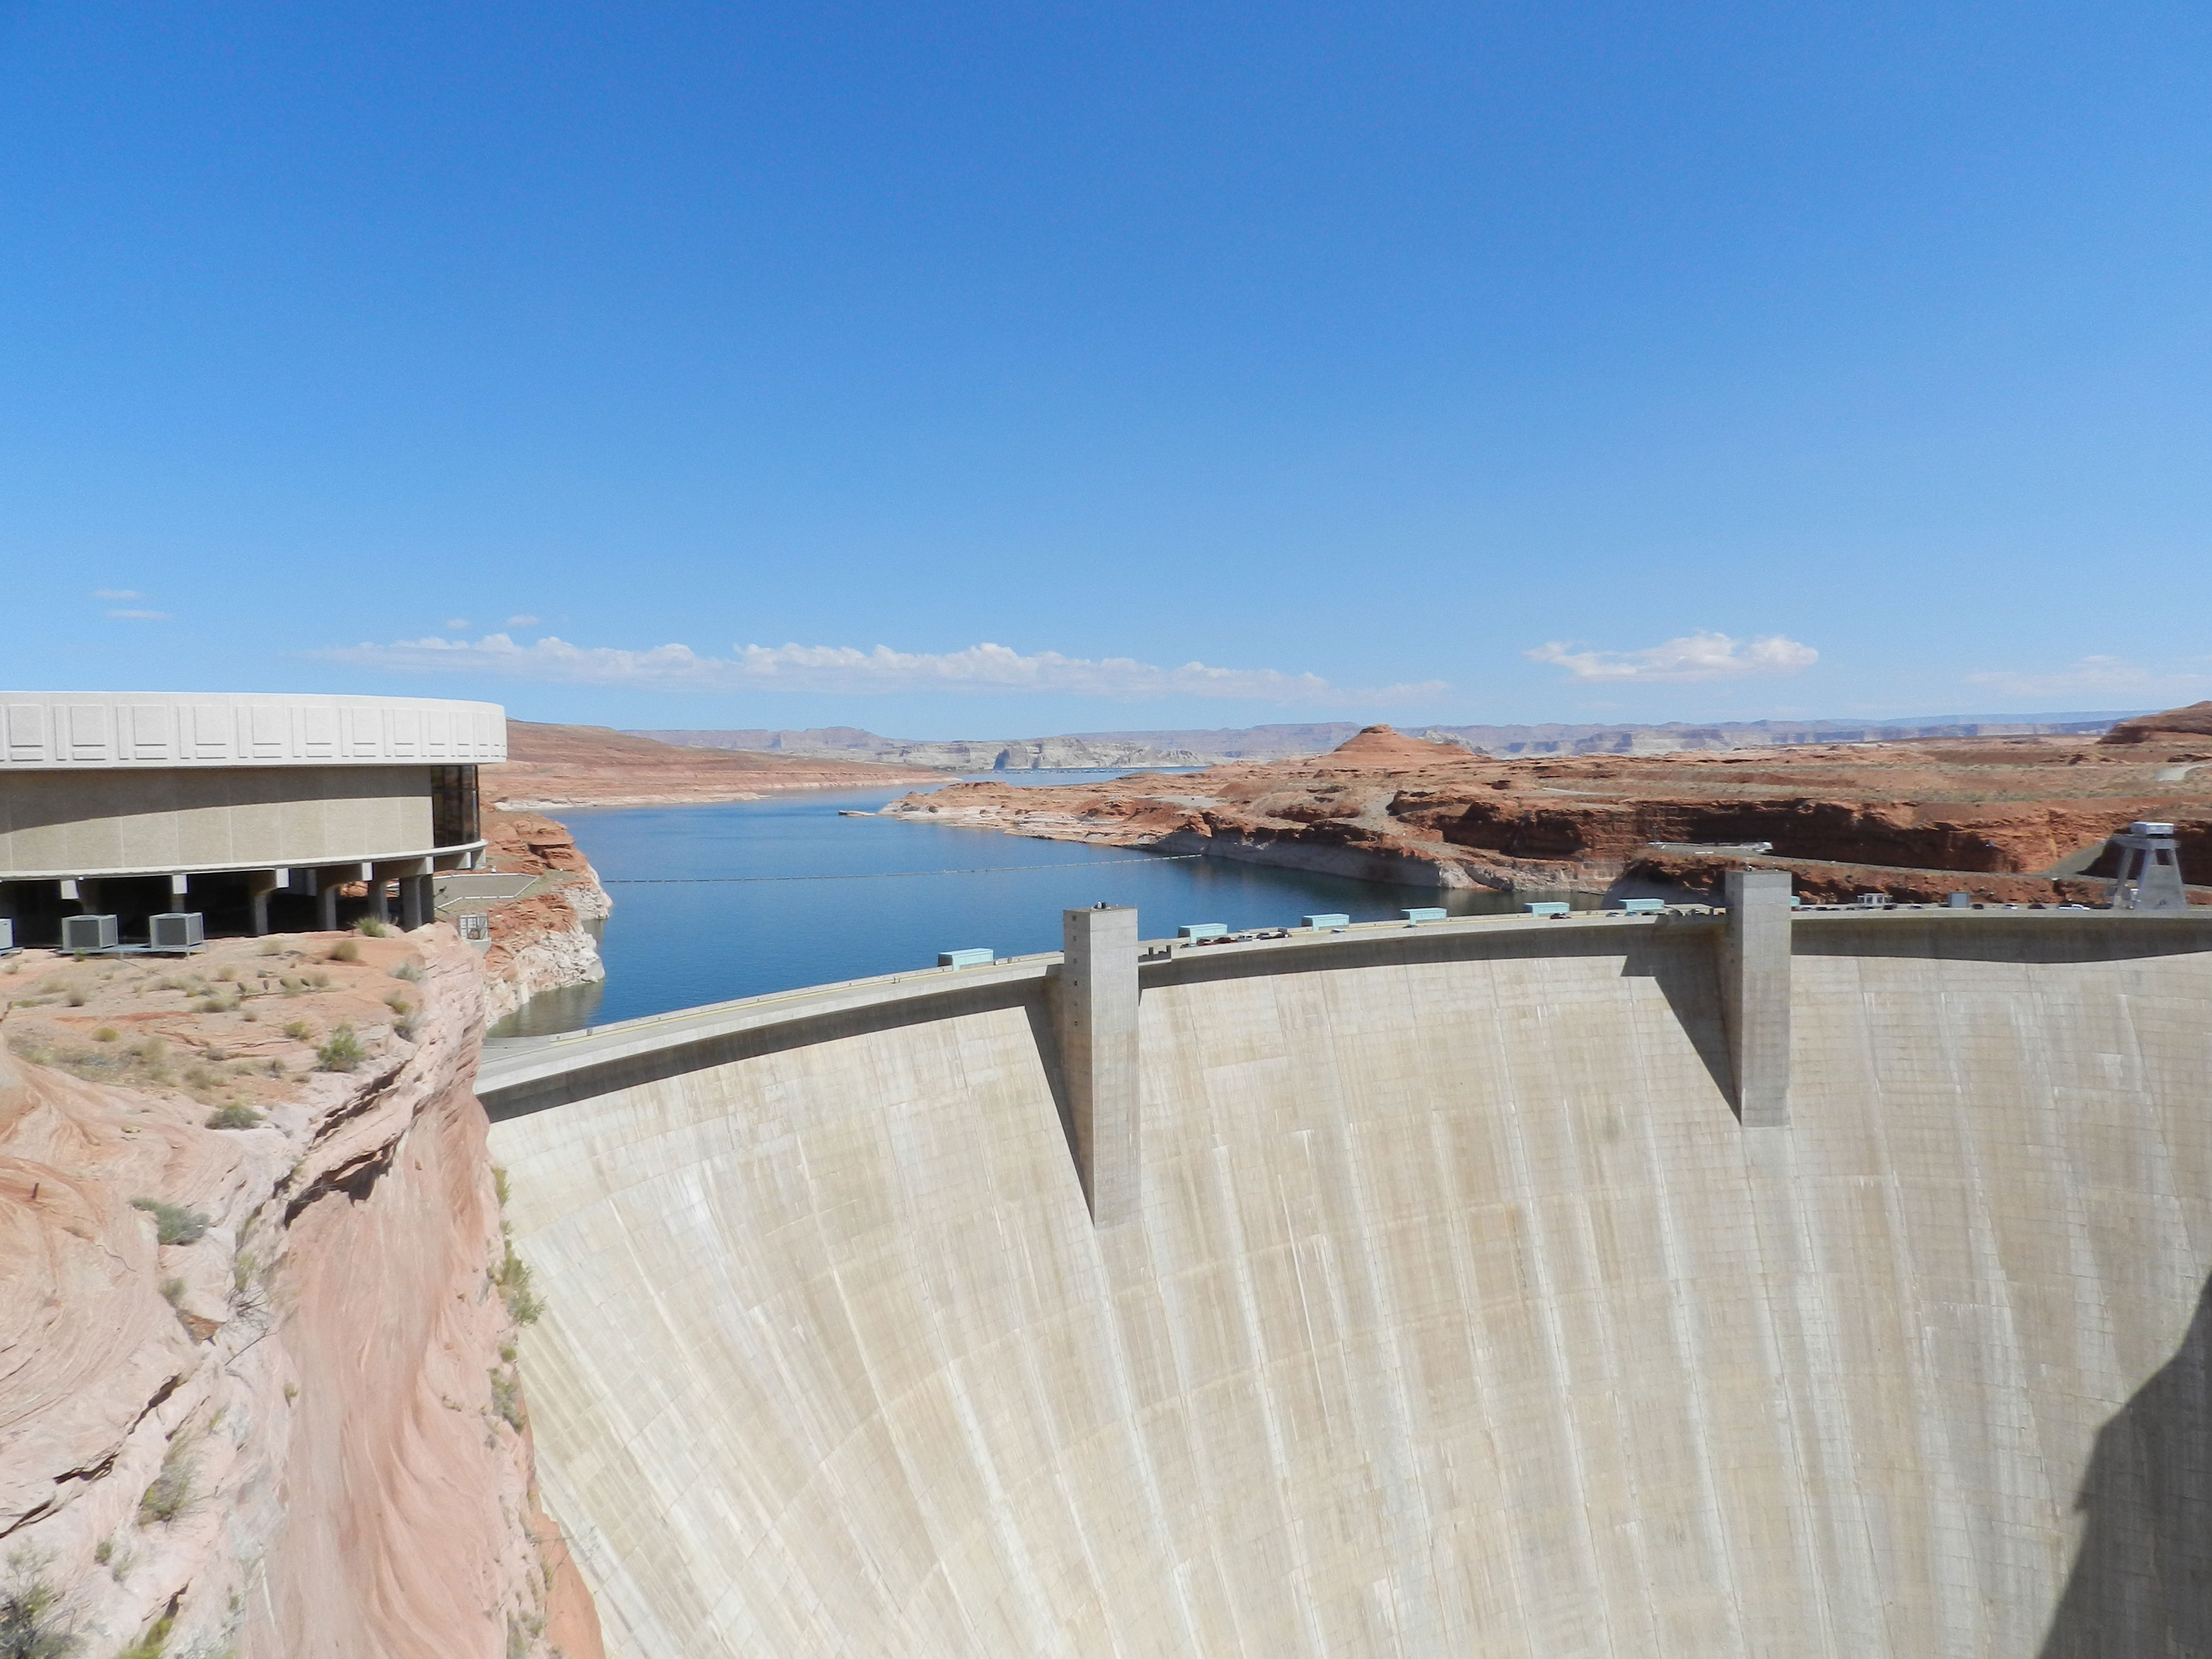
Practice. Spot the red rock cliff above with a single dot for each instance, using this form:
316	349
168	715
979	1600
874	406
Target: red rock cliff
258	1393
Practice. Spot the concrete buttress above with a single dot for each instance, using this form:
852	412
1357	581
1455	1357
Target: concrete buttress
1095	1016
1755	994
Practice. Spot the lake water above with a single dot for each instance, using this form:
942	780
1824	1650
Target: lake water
825	897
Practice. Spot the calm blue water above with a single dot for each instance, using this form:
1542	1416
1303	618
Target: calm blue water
677	944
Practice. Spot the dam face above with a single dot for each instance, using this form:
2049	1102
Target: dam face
1458	1313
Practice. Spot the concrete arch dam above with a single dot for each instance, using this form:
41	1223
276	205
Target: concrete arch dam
1455	1311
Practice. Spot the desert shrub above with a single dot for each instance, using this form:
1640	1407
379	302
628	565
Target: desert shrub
507	1398
319	981
271	947
397	1002
143	1065
343	1051
345	950
33	1622
106	1034
151	1644
233	1116
75	996
408	1026
173	1491
298	1029
523	1304
371	928
410	970
173	1222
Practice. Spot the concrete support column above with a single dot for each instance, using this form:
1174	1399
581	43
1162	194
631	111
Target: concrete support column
417	904
1095	1011
259	885
327	882
378	905
1755	993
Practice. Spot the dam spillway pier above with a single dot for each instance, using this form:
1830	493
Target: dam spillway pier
1754	969
1094	1006
1456	1314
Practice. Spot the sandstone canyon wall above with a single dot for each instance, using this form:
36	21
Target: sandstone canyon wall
257	1395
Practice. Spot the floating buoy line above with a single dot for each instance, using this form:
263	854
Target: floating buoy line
889	875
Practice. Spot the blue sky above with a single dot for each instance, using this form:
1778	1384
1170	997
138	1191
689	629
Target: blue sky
1413	362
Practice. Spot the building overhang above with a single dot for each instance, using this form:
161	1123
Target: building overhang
96	731
453	853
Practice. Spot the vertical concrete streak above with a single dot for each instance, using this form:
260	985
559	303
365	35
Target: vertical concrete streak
1095	1018
1755	994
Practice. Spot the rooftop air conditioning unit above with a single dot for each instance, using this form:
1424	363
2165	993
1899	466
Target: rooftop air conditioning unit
475	926
81	934
1873	901
178	931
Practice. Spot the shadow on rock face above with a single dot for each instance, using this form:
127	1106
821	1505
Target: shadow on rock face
2142	1586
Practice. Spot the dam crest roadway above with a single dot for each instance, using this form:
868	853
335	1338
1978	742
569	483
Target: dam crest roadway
1601	1284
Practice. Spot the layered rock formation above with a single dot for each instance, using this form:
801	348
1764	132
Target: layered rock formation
554	765
546	936
1387	807
258	1395
2190	728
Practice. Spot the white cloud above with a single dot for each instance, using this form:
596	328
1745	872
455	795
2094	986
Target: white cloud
456	623
519	622
117	593
2112	678
830	668
1704	656
141	616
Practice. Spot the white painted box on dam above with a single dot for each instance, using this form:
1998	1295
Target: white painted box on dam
1461	1315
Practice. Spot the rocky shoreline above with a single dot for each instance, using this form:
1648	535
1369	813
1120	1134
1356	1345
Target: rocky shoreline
1388	808
547	937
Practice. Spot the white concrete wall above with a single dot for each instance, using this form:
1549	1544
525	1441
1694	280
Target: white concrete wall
1461	1317
95	823
75	731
